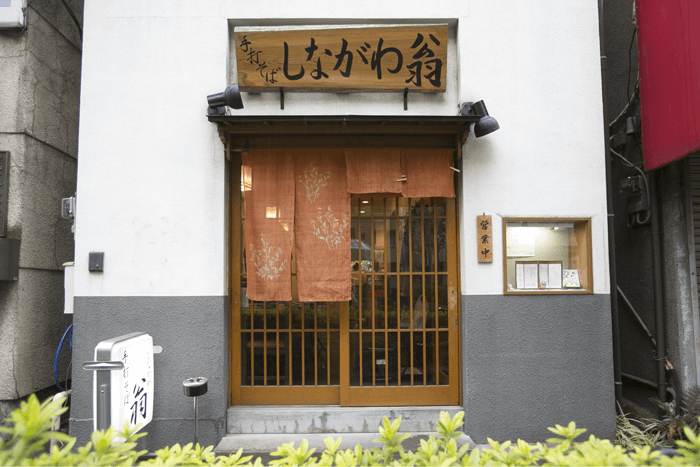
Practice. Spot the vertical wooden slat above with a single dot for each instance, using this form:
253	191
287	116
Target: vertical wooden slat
277	345
251	346
289	349
264	344
315	334
373	360
409	229
359	334
303	345
360	292
234	271
435	263
344	347
398	279
452	294
328	344
422	281
385	289
371	259
373	317
436	294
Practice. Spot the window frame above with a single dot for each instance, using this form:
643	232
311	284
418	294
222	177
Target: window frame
584	231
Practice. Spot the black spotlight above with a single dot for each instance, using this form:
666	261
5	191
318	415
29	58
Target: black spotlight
486	123
231	97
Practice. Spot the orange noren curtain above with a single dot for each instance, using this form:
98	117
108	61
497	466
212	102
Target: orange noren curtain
269	206
373	170
305	192
428	173
424	173
322	225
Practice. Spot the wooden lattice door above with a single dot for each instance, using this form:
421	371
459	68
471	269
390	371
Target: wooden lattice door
395	343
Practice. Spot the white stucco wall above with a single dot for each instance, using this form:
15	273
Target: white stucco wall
151	179
537	66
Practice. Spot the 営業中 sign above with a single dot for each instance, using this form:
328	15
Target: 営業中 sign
342	58
484	239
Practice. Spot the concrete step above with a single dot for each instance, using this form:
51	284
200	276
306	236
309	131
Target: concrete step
330	419
259	445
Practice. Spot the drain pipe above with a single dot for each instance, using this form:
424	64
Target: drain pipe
614	309
658	291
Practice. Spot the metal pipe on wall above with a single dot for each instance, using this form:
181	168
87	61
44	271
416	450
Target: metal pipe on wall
614	309
658	291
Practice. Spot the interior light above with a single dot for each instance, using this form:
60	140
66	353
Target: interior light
365	202
271	212
246	178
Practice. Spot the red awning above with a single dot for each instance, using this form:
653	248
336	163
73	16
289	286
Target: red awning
669	67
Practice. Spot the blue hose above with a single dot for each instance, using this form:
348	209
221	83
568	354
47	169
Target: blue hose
58	352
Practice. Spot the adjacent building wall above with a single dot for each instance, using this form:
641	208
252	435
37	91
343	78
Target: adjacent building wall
152	192
39	100
633	248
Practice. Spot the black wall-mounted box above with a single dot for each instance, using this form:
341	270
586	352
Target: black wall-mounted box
9	259
96	261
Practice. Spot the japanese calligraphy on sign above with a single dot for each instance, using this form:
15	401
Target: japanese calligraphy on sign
484	239
342	59
132	399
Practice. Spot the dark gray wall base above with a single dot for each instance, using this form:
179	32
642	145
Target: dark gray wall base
530	362
165	432
193	332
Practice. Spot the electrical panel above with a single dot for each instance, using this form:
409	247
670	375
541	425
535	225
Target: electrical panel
634	189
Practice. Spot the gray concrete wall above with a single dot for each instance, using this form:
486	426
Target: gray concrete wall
193	332
530	362
39	98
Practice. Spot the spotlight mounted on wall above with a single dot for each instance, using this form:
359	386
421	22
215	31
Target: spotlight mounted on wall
486	124
230	97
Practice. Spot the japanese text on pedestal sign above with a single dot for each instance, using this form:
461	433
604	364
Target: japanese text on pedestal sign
365	59
132	399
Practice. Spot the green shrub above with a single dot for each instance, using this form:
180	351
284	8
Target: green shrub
30	433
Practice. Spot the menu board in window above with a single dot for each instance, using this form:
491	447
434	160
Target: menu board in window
540	275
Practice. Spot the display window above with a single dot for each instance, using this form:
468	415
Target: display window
547	256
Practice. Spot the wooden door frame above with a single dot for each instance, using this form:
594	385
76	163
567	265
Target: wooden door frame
238	134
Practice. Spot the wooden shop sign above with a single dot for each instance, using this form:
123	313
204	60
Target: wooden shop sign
342	59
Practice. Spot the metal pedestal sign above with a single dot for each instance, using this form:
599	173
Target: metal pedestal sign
123	381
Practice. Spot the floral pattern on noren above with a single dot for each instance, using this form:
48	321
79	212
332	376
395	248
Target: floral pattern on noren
313	182
267	260
330	228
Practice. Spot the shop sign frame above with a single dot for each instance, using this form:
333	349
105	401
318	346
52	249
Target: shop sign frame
369	58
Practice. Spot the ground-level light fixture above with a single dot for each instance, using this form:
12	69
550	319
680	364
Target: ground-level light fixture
230	97
486	124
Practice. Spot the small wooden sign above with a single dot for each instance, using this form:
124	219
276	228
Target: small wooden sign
484	239
342	58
